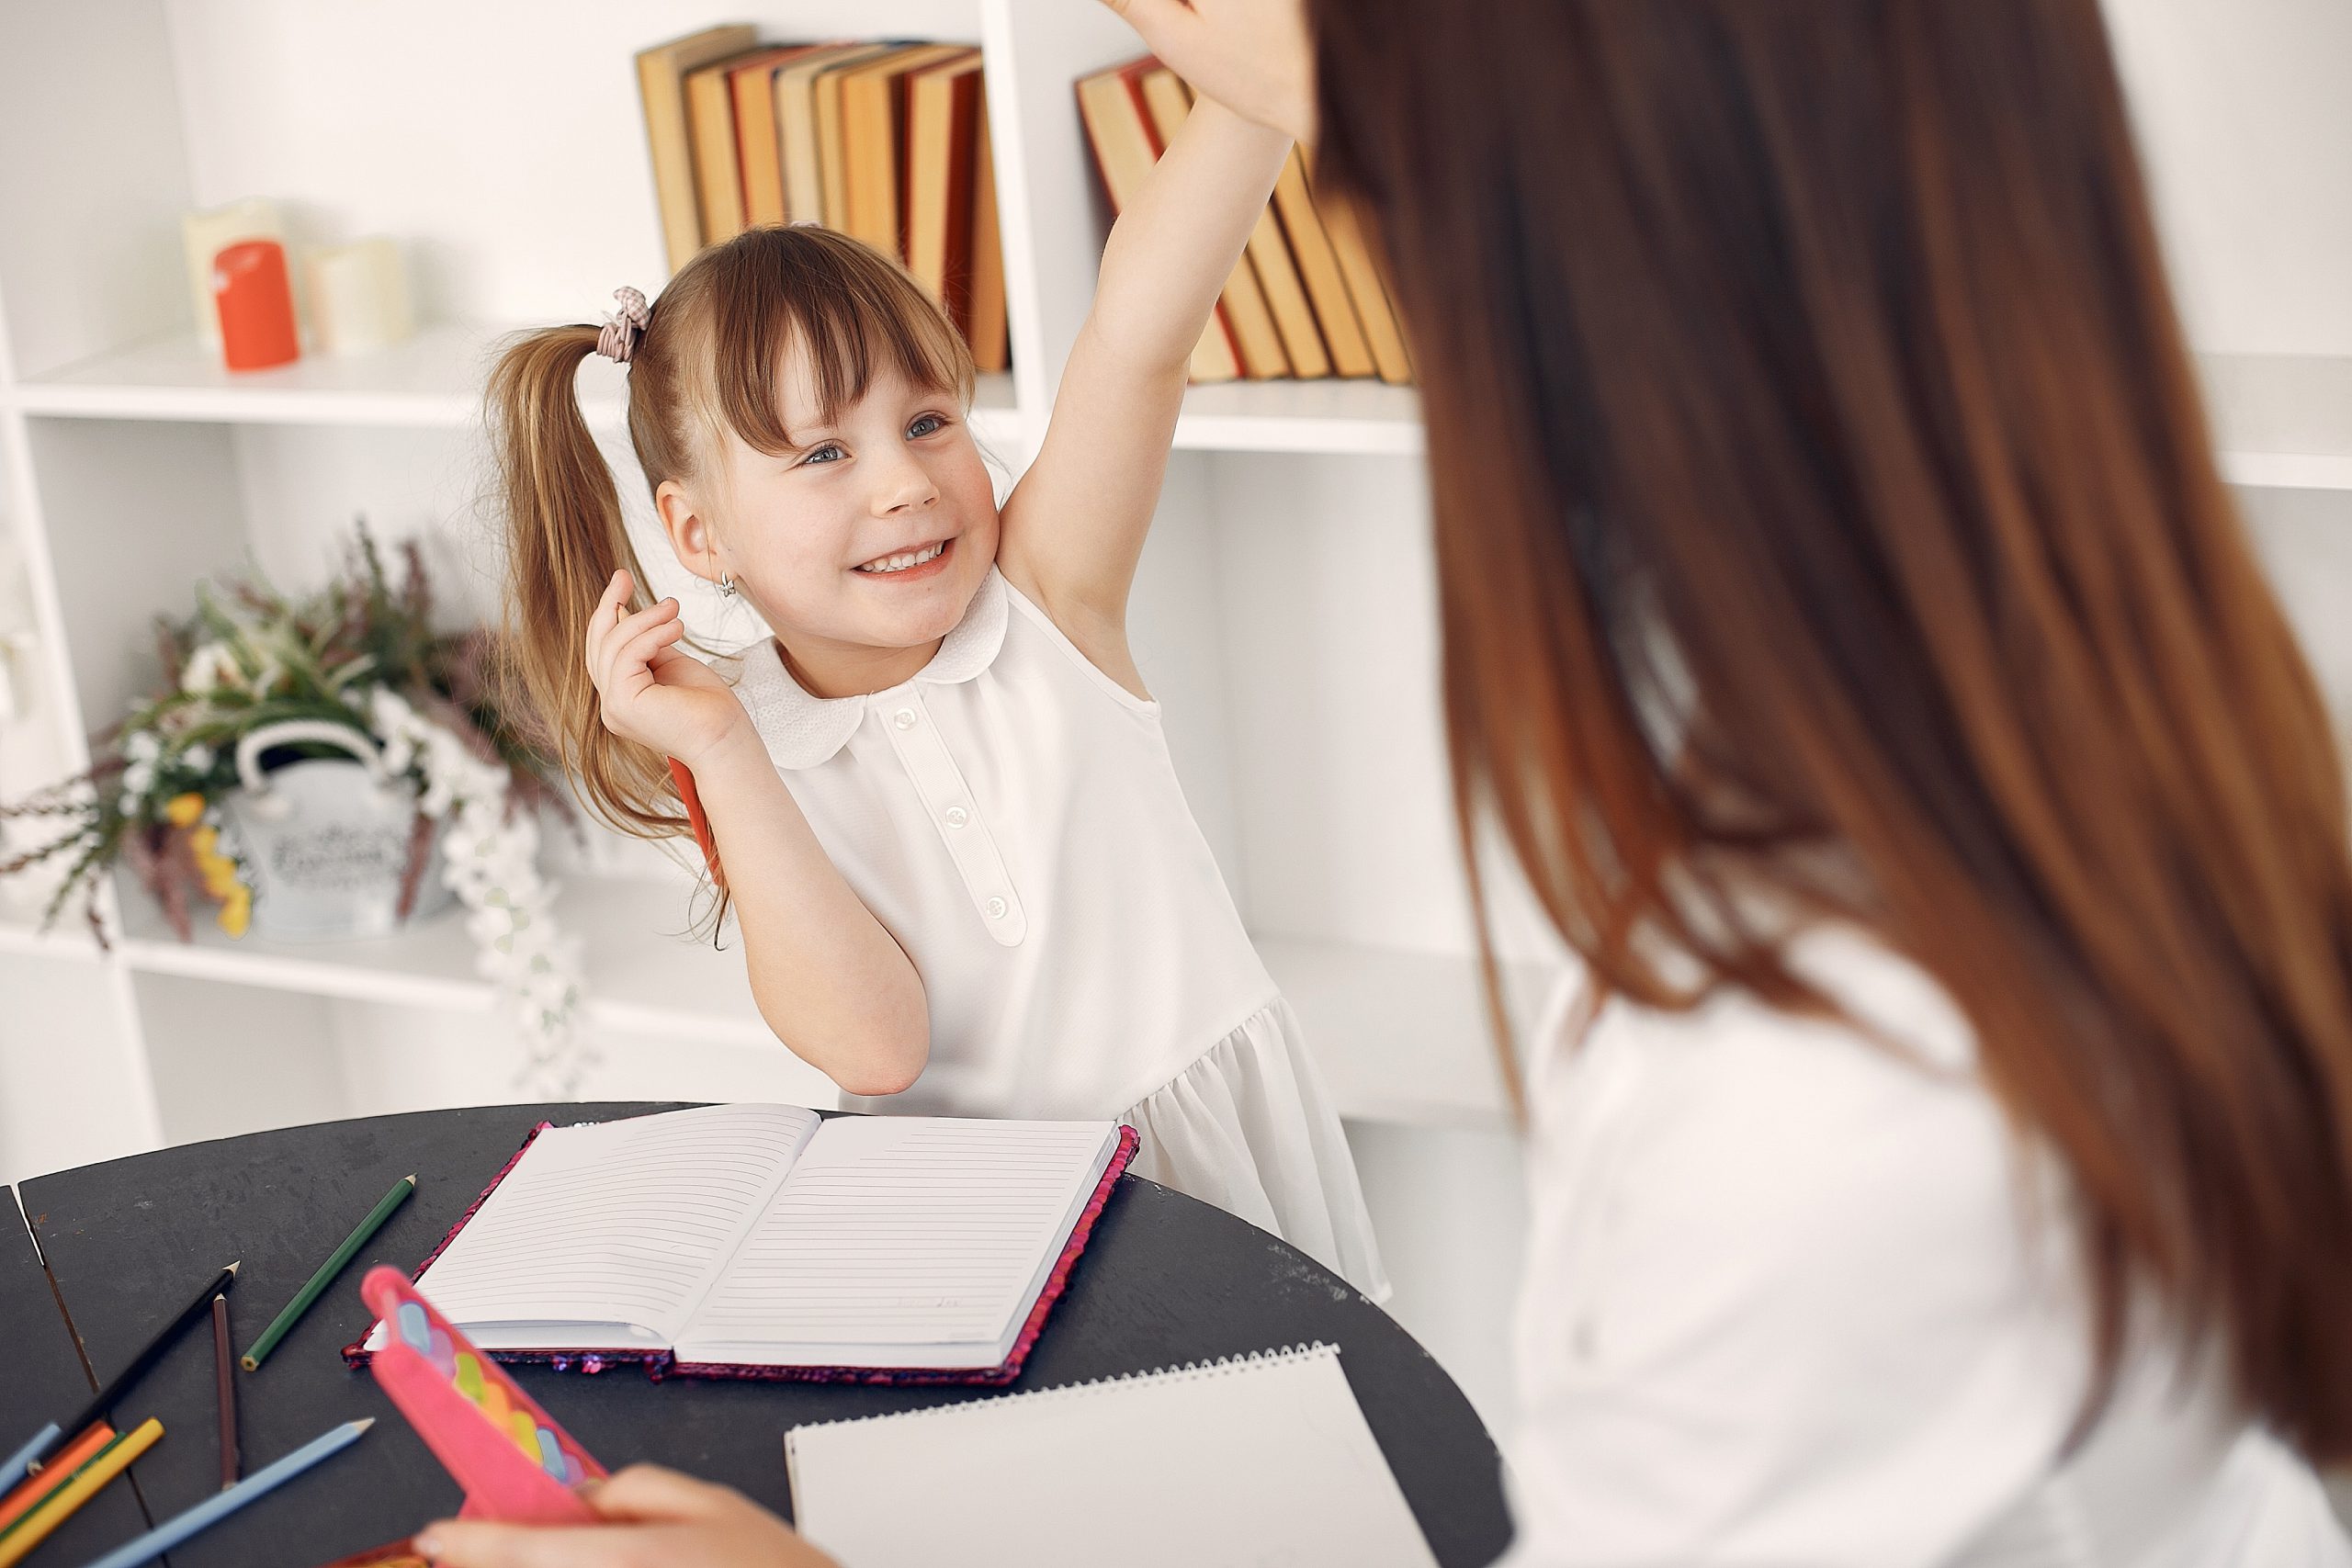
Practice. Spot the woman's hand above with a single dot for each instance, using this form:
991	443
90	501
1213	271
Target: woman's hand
656	1518
647	691
1253	56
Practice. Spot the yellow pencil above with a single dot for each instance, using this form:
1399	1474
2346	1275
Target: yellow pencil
55	1509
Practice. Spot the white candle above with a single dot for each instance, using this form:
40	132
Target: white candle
358	297
207	234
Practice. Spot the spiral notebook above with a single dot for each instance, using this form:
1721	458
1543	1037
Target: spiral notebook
761	1241
1263	1459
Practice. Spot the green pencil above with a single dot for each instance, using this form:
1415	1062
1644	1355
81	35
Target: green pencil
252	1359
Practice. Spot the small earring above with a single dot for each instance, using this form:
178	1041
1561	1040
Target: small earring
727	586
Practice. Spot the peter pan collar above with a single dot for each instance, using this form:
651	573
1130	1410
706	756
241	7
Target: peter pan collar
805	731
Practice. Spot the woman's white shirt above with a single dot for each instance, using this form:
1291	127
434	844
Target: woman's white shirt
1794	1299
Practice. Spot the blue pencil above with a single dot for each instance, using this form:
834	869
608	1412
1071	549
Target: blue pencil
171	1532
20	1463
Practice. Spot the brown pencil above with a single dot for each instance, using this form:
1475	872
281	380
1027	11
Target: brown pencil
225	1371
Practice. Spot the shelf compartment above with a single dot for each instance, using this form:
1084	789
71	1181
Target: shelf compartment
433	380
645	976
1351	418
1401	1036
2282	420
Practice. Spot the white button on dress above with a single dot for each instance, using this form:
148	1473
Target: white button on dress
1012	817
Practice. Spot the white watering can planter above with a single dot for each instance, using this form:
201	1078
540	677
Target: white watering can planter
324	840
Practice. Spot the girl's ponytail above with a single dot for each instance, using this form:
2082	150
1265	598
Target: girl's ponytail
564	540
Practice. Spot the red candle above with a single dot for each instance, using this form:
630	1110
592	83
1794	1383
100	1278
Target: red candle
256	305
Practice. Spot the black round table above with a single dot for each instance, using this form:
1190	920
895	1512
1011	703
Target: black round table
1166	1279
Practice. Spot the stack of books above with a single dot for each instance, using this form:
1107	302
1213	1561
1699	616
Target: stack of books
1306	299
887	143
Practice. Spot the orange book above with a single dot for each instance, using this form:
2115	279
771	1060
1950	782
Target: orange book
990	340
660	85
1364	287
711	130
759	142
943	106
1318	269
795	115
1242	300
873	131
833	136
1119	129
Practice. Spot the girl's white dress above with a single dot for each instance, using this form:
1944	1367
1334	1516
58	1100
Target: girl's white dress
1011	816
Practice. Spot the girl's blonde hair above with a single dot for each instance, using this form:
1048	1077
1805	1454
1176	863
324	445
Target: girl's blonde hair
709	360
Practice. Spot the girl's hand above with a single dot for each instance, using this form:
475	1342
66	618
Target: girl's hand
657	1519
1253	56
650	693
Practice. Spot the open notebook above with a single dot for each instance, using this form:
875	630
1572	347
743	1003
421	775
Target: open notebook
1262	1460
764	1241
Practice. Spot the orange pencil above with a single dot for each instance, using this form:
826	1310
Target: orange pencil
53	1474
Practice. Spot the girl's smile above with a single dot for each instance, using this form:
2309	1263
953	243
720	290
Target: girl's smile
909	565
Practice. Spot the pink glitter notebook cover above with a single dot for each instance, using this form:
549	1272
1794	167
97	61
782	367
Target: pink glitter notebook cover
659	1364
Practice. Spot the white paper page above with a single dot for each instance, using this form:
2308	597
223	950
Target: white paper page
613	1225
903	1241
1264	1461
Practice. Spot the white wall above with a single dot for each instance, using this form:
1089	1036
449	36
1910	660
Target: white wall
2244	110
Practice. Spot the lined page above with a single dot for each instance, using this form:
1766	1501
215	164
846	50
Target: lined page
903	1241
617	1222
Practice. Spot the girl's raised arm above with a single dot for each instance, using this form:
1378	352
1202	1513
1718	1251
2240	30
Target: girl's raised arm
1075	525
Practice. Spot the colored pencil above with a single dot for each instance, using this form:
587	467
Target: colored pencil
225	1390
327	1271
55	1474
61	1505
220	1504
21	1462
103	1402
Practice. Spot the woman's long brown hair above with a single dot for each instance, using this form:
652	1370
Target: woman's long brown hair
1827	520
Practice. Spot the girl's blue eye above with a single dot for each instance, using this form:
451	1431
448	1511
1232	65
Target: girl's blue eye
819	455
925	424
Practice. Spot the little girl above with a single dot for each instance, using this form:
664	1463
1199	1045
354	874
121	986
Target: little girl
966	876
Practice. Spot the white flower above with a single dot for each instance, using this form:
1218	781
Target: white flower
208	667
140	746
491	862
198	757
140	777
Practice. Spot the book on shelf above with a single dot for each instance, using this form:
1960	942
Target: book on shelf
1119	130
759	143
1168	105
661	72
873	117
1306	298
710	134
796	116
1318	269
1366	289
941	139
887	142
991	338
764	1241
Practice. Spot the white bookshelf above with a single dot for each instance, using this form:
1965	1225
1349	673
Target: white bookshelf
139	465
431	382
1285	615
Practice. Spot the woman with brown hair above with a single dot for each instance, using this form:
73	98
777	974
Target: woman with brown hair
1948	1158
